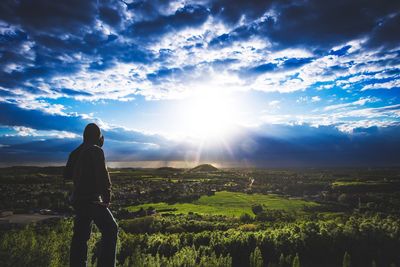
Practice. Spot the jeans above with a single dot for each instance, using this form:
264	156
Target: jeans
104	220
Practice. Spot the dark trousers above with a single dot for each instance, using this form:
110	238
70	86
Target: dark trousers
104	220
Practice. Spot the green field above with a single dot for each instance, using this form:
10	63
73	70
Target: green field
229	204
357	183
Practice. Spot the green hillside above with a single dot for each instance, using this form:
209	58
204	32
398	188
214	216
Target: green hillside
229	204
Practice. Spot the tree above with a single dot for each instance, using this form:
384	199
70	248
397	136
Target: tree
245	217
346	260
296	261
256	259
282	261
257	209
343	198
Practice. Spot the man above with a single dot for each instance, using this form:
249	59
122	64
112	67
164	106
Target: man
91	199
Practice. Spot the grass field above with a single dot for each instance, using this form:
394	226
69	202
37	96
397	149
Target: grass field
229	204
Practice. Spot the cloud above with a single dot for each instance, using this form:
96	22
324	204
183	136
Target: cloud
341	51
63	51
267	145
246	10
315	99
386	33
187	16
326	146
293	63
110	15
316	24
384	85
274	103
360	102
13	115
93	40
263	68
23	118
47	15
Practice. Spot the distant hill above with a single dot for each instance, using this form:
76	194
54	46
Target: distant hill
204	168
168	169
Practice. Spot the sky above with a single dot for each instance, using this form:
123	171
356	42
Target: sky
234	83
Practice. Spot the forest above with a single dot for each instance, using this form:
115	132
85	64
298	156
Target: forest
215	217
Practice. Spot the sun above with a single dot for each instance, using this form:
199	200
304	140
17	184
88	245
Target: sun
209	115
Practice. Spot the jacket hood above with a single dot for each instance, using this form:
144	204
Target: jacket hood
92	134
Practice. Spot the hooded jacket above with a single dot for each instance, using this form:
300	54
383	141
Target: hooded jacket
86	167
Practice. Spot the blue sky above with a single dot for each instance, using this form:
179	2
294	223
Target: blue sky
236	83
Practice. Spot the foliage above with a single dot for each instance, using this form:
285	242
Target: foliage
245	218
319	242
210	222
29	246
296	261
346	260
257	209
256	259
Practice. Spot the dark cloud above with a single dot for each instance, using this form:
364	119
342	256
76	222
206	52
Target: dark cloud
341	51
48	15
164	73
12	39
233	11
123	52
37	151
263	68
187	16
387	33
110	15
317	24
287	64
293	63
72	92
6	93
238	34
324	24
303	145
28	149
13	115
50	145
147	10
280	146
170	74
44	66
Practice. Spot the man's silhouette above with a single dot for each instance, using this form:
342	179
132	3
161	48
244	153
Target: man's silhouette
91	199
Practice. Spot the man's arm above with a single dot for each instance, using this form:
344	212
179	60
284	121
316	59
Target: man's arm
103	181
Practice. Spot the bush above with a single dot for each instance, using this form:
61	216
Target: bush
257	209
245	218
256	259
138	225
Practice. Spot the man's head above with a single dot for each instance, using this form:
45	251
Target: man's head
92	135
